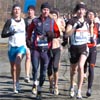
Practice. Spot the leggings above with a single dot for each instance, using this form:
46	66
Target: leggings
91	60
54	61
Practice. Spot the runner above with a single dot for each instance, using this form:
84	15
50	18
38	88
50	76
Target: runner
91	60
44	29
97	20
78	29
28	20
54	63
14	28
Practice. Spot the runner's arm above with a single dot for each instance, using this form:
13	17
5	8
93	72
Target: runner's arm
69	30
5	32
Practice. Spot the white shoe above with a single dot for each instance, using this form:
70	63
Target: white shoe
79	96
27	79
15	90
56	91
34	89
72	92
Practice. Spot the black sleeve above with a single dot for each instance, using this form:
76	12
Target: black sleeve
72	20
5	32
26	23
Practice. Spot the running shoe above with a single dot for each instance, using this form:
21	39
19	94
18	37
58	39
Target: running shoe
72	92
27	79
18	87
79	96
34	89
88	94
39	96
56	91
85	80
15	90
51	90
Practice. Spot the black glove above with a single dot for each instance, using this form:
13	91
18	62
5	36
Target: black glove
8	34
78	24
50	35
28	43
65	40
99	35
64	43
65	37
92	40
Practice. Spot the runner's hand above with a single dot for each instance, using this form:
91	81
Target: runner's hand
10	33
92	40
50	35
28	43
78	24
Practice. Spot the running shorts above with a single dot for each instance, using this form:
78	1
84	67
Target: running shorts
76	51
13	51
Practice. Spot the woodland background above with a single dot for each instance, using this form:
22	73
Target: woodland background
65	6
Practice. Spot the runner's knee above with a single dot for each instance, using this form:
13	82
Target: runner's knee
18	60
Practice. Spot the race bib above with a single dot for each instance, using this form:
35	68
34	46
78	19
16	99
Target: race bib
42	40
81	35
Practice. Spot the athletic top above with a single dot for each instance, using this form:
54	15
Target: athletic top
19	37
81	35
28	21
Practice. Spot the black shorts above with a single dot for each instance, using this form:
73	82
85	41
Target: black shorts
76	51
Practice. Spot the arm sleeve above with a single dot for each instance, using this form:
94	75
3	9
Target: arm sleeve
5	32
71	21
26	24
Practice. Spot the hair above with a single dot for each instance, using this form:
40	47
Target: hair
91	10
78	6
31	7
15	5
45	5
55	11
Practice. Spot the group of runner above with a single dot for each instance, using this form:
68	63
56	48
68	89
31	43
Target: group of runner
40	39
